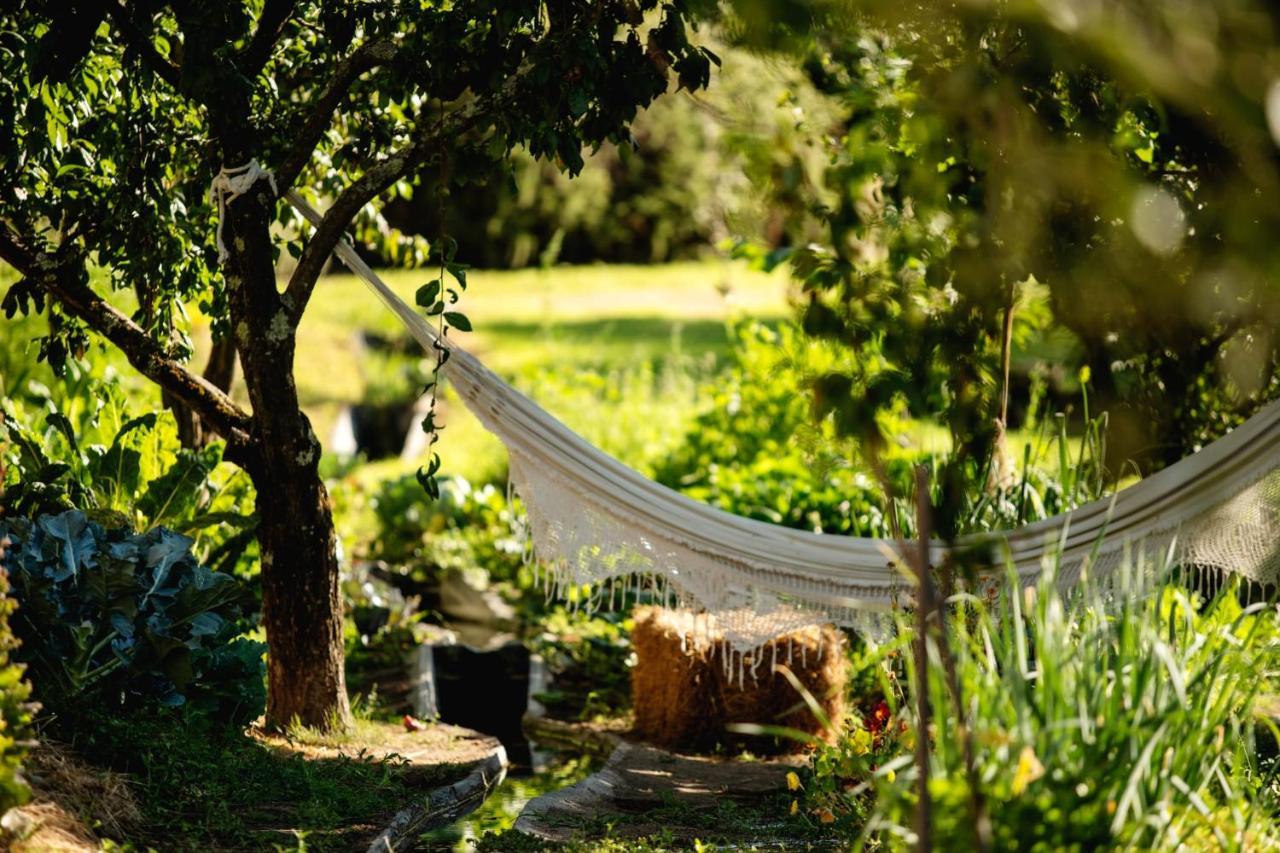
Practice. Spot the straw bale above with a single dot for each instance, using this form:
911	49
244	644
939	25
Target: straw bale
688	686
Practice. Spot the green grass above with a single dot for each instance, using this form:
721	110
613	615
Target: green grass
600	318
203	787
524	319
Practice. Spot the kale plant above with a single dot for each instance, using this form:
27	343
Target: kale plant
123	620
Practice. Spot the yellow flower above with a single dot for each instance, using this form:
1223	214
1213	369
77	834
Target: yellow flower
890	776
1029	770
861	742
795	807
793	781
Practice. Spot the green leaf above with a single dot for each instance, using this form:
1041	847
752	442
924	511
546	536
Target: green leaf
167	549
205	520
32	454
59	421
76	546
174	494
458	321
459	273
121	466
428	294
429	484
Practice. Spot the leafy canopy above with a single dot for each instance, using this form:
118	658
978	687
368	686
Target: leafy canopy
115	117
1124	158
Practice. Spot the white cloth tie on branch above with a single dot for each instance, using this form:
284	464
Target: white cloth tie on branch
231	183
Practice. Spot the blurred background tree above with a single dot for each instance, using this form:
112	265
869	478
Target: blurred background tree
676	189
1122	154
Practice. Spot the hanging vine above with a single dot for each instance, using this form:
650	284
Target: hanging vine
435	297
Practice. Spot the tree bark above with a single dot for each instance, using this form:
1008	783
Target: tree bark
302	606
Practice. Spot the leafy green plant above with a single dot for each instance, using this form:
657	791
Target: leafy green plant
465	528
754	450
122	619
650	401
81	446
1112	717
590	660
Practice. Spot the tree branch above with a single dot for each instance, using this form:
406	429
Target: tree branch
275	13
336	220
427	139
141	42
220	372
364	58
61	281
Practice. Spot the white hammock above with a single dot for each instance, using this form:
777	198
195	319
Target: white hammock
594	521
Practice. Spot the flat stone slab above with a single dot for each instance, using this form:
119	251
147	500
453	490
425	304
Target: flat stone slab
442	806
432	755
638	780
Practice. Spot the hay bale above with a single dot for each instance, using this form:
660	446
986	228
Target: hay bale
688	686
673	682
816	657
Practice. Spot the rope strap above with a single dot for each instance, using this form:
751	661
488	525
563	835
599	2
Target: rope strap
231	183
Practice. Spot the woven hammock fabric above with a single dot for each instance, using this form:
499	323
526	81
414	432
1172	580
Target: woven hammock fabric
594	521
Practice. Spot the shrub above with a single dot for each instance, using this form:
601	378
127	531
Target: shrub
464	529
754	450
119	619
15	715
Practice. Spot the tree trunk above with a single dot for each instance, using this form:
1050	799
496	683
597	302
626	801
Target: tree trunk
301	602
302	607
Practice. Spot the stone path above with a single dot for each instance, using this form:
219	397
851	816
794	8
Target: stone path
643	791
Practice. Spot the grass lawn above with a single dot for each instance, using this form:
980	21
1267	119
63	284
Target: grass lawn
572	337
598	316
